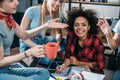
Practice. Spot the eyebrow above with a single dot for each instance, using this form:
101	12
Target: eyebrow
82	22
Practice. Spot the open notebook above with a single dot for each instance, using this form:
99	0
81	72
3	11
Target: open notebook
65	74
75	70
92	76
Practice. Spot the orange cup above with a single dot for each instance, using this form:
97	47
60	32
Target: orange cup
51	50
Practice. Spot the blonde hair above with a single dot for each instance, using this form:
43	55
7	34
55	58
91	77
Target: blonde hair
53	15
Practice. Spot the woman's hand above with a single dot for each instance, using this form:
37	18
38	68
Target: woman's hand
104	26
37	51
74	61
60	68
54	23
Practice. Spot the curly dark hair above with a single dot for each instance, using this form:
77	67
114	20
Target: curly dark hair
89	14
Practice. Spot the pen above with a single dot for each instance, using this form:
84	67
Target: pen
69	70
53	76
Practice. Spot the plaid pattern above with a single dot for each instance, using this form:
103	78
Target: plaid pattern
93	50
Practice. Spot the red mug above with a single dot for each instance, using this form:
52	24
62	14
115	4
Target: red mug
51	50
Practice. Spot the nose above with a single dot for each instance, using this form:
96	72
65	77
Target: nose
79	26
16	2
58	3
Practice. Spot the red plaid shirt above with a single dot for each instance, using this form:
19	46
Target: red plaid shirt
93	50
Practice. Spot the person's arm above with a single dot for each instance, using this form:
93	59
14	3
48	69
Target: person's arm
4	61
36	51
65	64
24	25
117	39
75	62
105	27
58	35
99	64
30	33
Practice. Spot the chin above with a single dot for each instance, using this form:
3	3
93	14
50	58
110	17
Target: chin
13	12
54	9
80	36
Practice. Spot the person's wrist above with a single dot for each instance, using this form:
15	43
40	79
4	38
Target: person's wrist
63	65
109	35
45	26
26	55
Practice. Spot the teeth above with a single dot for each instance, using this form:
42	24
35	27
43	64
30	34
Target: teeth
79	31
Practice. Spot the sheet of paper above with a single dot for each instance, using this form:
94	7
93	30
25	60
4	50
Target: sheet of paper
64	74
92	76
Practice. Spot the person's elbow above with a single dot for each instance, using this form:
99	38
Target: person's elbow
25	36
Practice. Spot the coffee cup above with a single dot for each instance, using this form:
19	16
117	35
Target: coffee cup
51	50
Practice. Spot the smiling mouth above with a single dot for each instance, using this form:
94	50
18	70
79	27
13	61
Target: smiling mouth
14	8
79	31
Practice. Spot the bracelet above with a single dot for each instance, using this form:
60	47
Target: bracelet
25	54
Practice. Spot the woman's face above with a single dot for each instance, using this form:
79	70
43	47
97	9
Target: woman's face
54	5
81	27
9	6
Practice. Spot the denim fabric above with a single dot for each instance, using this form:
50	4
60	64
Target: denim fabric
40	41
4	69
116	75
63	44
43	40
24	74
45	61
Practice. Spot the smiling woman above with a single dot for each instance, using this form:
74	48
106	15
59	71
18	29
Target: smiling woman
36	16
83	47
8	27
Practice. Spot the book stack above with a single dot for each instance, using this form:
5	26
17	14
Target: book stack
99	0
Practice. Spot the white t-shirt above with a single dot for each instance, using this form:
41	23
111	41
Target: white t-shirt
117	28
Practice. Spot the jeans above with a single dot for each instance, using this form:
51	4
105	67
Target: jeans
42	40
39	40
31	73
116	75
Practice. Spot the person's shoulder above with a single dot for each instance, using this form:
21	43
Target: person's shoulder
118	21
71	33
95	37
33	8
117	25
